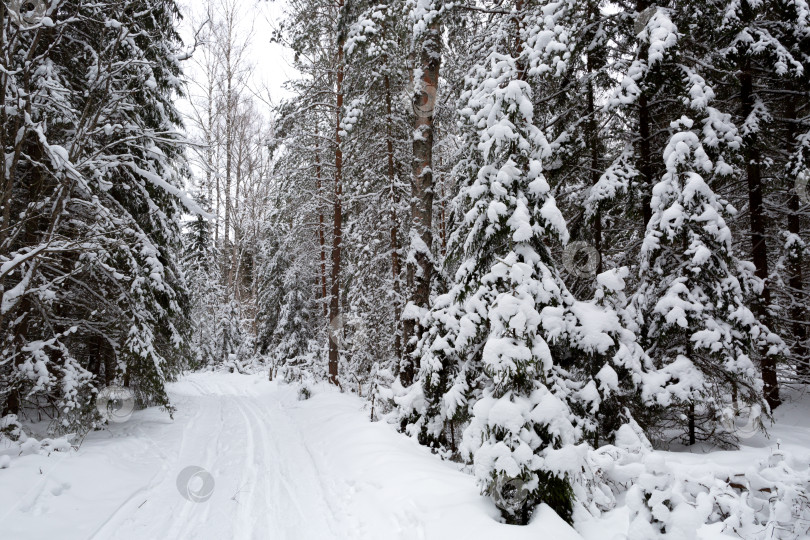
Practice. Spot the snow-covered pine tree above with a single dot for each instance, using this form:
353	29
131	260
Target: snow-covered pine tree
795	176
609	365
508	352
377	125
577	72
757	63
575	60
293	272
294	346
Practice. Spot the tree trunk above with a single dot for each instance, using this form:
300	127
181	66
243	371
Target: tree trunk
692	437
759	251
321	233
645	159
593	142
443	228
236	248
209	157
798	309
396	269
644	151
337	237
420	266
228	149
796	283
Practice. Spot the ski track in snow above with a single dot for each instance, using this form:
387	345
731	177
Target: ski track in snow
257	494
283	469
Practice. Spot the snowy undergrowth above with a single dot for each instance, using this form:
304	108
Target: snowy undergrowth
17	441
660	496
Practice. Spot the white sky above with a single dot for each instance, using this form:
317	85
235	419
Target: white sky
272	62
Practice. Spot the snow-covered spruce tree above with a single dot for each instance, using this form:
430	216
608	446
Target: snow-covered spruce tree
317	32
648	91
92	291
294	346
589	171
202	277
486	353
692	302
609	365
762	55
270	295
579	69
794	30
293	273
231	336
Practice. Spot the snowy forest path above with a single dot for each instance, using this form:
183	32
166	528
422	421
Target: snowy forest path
266	484
268	467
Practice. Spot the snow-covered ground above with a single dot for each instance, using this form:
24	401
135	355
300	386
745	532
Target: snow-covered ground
282	468
278	468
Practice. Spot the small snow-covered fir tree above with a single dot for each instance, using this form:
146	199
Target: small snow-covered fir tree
508	352
609	364
692	301
521	422
291	315
199	263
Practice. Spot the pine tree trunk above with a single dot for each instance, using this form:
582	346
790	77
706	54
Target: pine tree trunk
8	182
228	149
236	248
798	307
759	249
420	267
692	437
337	235
396	270
645	158
443	227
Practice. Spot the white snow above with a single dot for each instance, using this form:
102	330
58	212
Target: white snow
282	469
318	469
